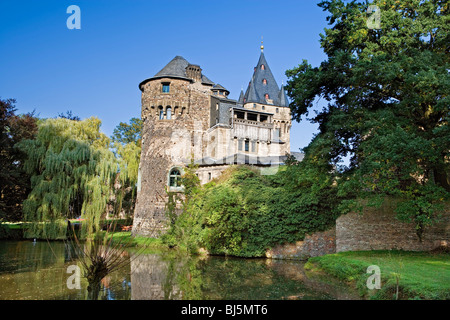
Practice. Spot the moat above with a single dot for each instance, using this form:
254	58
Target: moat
38	271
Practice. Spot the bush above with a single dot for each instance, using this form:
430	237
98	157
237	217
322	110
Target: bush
244	213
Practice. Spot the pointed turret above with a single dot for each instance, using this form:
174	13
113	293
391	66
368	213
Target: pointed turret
284	101
263	87
241	97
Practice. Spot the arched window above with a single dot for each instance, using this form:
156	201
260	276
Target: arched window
265	82
266	96
161	112
263	67
175	178
168	113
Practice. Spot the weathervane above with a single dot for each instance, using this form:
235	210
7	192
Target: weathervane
262	44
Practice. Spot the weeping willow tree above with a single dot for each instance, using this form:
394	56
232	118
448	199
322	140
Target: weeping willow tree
128	156
72	175
126	143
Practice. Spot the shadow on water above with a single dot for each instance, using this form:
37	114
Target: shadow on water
39	271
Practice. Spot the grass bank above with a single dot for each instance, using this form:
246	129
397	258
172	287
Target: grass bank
416	275
125	237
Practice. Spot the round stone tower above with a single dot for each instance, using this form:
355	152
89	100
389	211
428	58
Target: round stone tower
175	113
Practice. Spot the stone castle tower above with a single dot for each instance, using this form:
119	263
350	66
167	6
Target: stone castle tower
187	117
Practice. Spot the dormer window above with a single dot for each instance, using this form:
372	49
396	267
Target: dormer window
166	87
266	96
264	82
263	67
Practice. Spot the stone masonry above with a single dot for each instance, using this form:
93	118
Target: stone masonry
187	117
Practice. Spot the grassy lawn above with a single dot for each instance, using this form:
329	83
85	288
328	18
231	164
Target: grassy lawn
420	275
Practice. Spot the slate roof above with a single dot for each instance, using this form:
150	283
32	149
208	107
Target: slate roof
219	87
257	90
241	97
176	68
284	101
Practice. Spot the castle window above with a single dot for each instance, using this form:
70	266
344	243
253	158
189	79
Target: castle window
166	87
161	113
252	116
253	146
254	106
265	82
277	134
266	96
175	178
240	145
247	145
209	176
263	67
277	110
169	113
240	115
264	108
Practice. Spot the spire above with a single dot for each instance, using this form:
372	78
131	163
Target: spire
241	97
284	102
251	95
263	87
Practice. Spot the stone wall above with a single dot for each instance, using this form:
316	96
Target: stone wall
167	143
379	229
316	244
374	229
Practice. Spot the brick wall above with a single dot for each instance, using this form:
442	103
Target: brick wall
374	229
316	244
379	229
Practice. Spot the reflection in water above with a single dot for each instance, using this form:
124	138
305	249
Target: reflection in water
157	277
39	271
152	278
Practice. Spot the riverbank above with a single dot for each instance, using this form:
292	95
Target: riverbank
414	275
403	274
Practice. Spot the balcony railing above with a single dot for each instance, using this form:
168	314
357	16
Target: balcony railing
253	123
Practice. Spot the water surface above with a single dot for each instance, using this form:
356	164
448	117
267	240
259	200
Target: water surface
38	270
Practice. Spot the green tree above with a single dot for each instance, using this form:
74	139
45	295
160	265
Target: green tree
68	115
387	102
126	143
128	132
72	173
14	182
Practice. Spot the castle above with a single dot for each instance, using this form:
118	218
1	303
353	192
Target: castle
187	117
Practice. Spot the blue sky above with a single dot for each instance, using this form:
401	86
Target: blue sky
95	71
